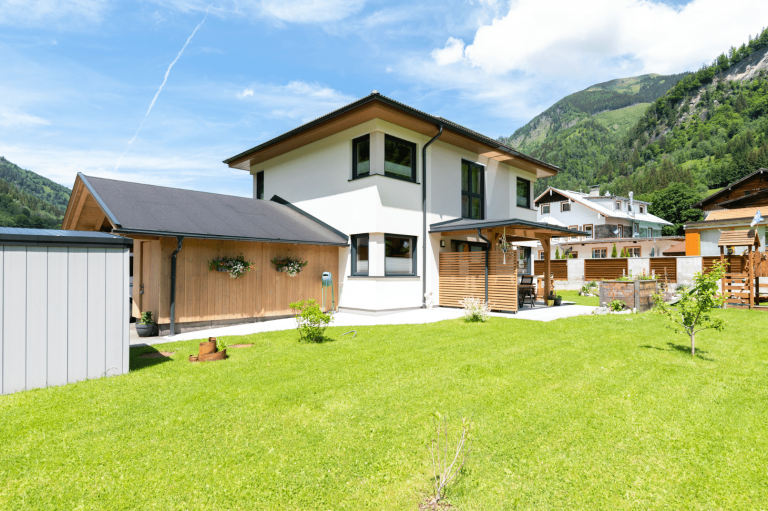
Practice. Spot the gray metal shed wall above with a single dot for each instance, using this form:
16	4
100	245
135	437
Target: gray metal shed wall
63	315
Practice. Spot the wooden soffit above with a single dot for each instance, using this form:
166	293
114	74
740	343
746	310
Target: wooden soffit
83	211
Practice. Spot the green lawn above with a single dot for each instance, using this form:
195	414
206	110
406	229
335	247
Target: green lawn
605	412
573	296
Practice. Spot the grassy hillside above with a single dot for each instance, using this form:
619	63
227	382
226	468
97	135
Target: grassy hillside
30	200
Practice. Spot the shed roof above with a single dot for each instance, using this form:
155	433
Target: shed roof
739	238
55	237
135	208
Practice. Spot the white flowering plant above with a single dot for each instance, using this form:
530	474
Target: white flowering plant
236	267
290	266
475	309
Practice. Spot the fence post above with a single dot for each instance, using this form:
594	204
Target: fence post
637	295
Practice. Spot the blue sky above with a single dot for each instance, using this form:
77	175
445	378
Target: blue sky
78	76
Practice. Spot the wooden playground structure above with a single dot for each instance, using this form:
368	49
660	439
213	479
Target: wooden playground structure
741	282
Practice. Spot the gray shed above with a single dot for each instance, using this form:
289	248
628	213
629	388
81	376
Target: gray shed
64	298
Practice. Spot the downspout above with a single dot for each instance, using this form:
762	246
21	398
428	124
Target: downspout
424	214
487	251
173	284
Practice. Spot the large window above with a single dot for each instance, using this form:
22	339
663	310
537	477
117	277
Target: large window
399	159
361	157
260	184
472	190
523	193
467	246
360	254
599	253
400	255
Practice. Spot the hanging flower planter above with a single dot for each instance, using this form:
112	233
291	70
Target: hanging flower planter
289	266
236	267
504	246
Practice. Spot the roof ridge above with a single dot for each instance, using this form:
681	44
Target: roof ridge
170	187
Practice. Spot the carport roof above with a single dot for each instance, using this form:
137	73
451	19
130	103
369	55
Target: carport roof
140	209
467	224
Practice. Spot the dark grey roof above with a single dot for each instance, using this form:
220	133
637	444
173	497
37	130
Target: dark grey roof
401	106
462	224
157	210
53	237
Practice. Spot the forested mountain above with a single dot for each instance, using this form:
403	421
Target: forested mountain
624	99
708	130
30	200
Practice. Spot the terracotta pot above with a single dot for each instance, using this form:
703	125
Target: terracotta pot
219	355
208	347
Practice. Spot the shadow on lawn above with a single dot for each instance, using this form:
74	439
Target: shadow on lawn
147	356
680	348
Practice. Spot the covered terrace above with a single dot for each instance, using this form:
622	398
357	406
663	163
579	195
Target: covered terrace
492	273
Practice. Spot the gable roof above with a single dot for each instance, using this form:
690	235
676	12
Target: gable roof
599	208
134	208
376	105
674	250
720	194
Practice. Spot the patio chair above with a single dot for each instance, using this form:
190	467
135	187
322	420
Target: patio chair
526	290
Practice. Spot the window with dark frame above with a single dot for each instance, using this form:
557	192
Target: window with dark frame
399	158
361	157
565	206
588	230
523	193
545	209
360	254
260	184
399	255
472	190
467	246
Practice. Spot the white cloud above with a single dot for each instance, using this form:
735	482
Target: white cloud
63	13
296	100
281	11
245	93
11	118
452	52
562	37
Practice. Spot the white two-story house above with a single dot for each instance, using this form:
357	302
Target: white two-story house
606	220
405	186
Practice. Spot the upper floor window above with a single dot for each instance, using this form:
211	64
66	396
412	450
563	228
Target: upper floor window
361	156
472	190
523	193
618	205
642	210
399	159
588	230
260	184
545	209
400	255
360	254
565	206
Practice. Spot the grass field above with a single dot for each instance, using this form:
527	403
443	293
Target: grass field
591	412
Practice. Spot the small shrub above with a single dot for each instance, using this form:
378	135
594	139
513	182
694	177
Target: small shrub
589	288
311	321
616	305
221	344
475	309
146	318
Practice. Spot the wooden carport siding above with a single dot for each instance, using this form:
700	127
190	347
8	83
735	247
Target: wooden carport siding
203	295
462	275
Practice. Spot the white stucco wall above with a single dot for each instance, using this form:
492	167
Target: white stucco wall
317	179
710	237
687	267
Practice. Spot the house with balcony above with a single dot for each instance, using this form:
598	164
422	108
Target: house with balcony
404	209
607	220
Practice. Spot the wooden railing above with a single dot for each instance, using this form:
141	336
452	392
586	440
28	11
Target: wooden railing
665	268
462	275
605	269
559	267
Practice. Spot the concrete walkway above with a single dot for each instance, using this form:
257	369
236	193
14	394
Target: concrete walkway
417	316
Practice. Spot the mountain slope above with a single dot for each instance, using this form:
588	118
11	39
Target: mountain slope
623	94
30	200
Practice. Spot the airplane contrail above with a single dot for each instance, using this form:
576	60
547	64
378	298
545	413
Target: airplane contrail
168	71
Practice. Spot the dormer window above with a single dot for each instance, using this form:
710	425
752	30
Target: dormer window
399	159
618	205
642	210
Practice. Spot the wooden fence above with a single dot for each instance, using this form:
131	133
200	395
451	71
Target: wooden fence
462	275
736	264
558	266
605	269
665	268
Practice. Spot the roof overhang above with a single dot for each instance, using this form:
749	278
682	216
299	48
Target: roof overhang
550	195
159	234
516	229
713	198
376	106
739	238
724	223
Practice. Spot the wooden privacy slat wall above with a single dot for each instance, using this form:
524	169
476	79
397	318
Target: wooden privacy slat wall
203	295
559	267
665	268
462	275
738	264
605	269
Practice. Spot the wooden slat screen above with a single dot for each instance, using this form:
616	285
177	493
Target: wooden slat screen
738	264
665	268
559	267
605	269
462	275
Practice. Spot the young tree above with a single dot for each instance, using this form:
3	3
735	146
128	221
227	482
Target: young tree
557	253
614	252
691	314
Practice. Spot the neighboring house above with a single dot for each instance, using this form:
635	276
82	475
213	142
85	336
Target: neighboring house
731	208
606	219
406	186
400	187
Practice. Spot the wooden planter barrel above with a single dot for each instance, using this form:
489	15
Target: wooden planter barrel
208	347
635	294
208	352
